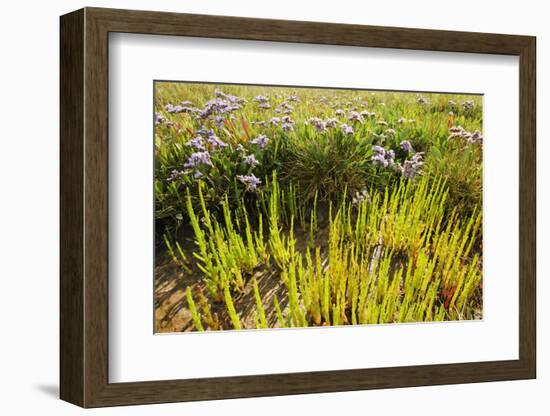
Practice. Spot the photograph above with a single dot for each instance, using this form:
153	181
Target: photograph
290	207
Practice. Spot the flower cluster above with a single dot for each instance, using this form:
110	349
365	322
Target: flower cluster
196	143
361	197
251	182
406	146
159	119
263	101
211	138
251	160
284	108
218	106
318	123
346	129
184	107
411	168
174	174
460	132
355	116
261	141
367	114
383	157
198	158
468	105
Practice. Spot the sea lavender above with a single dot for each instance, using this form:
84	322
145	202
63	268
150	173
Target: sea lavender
355	116
261	141
251	160
382	157
159	119
251	182
287	119
331	122
174	174
275	121
468	105
411	168
196	143
347	129
406	146
261	98
317	123
216	142
287	127
198	158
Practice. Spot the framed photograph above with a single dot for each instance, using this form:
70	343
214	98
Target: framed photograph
257	207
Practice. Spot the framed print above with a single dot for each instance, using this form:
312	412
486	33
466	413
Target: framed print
262	207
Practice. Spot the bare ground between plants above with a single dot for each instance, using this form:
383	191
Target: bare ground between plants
172	312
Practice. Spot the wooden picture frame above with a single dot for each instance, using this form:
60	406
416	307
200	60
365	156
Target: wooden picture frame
84	207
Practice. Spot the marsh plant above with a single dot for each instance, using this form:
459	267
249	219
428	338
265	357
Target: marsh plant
290	207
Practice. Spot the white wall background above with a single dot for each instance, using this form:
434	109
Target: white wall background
29	206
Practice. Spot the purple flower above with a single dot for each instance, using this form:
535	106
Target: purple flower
459	131
219	120
287	119
406	146
317	123
411	167
382	157
197	159
261	141
340	112
347	129
264	106
261	98
250	181
196	143
468	105
379	159
331	122
179	108
251	160
287	127
159	119
240	148
275	121
175	174
222	104
355	116
215	142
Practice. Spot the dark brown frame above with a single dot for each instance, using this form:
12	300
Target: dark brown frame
84	209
